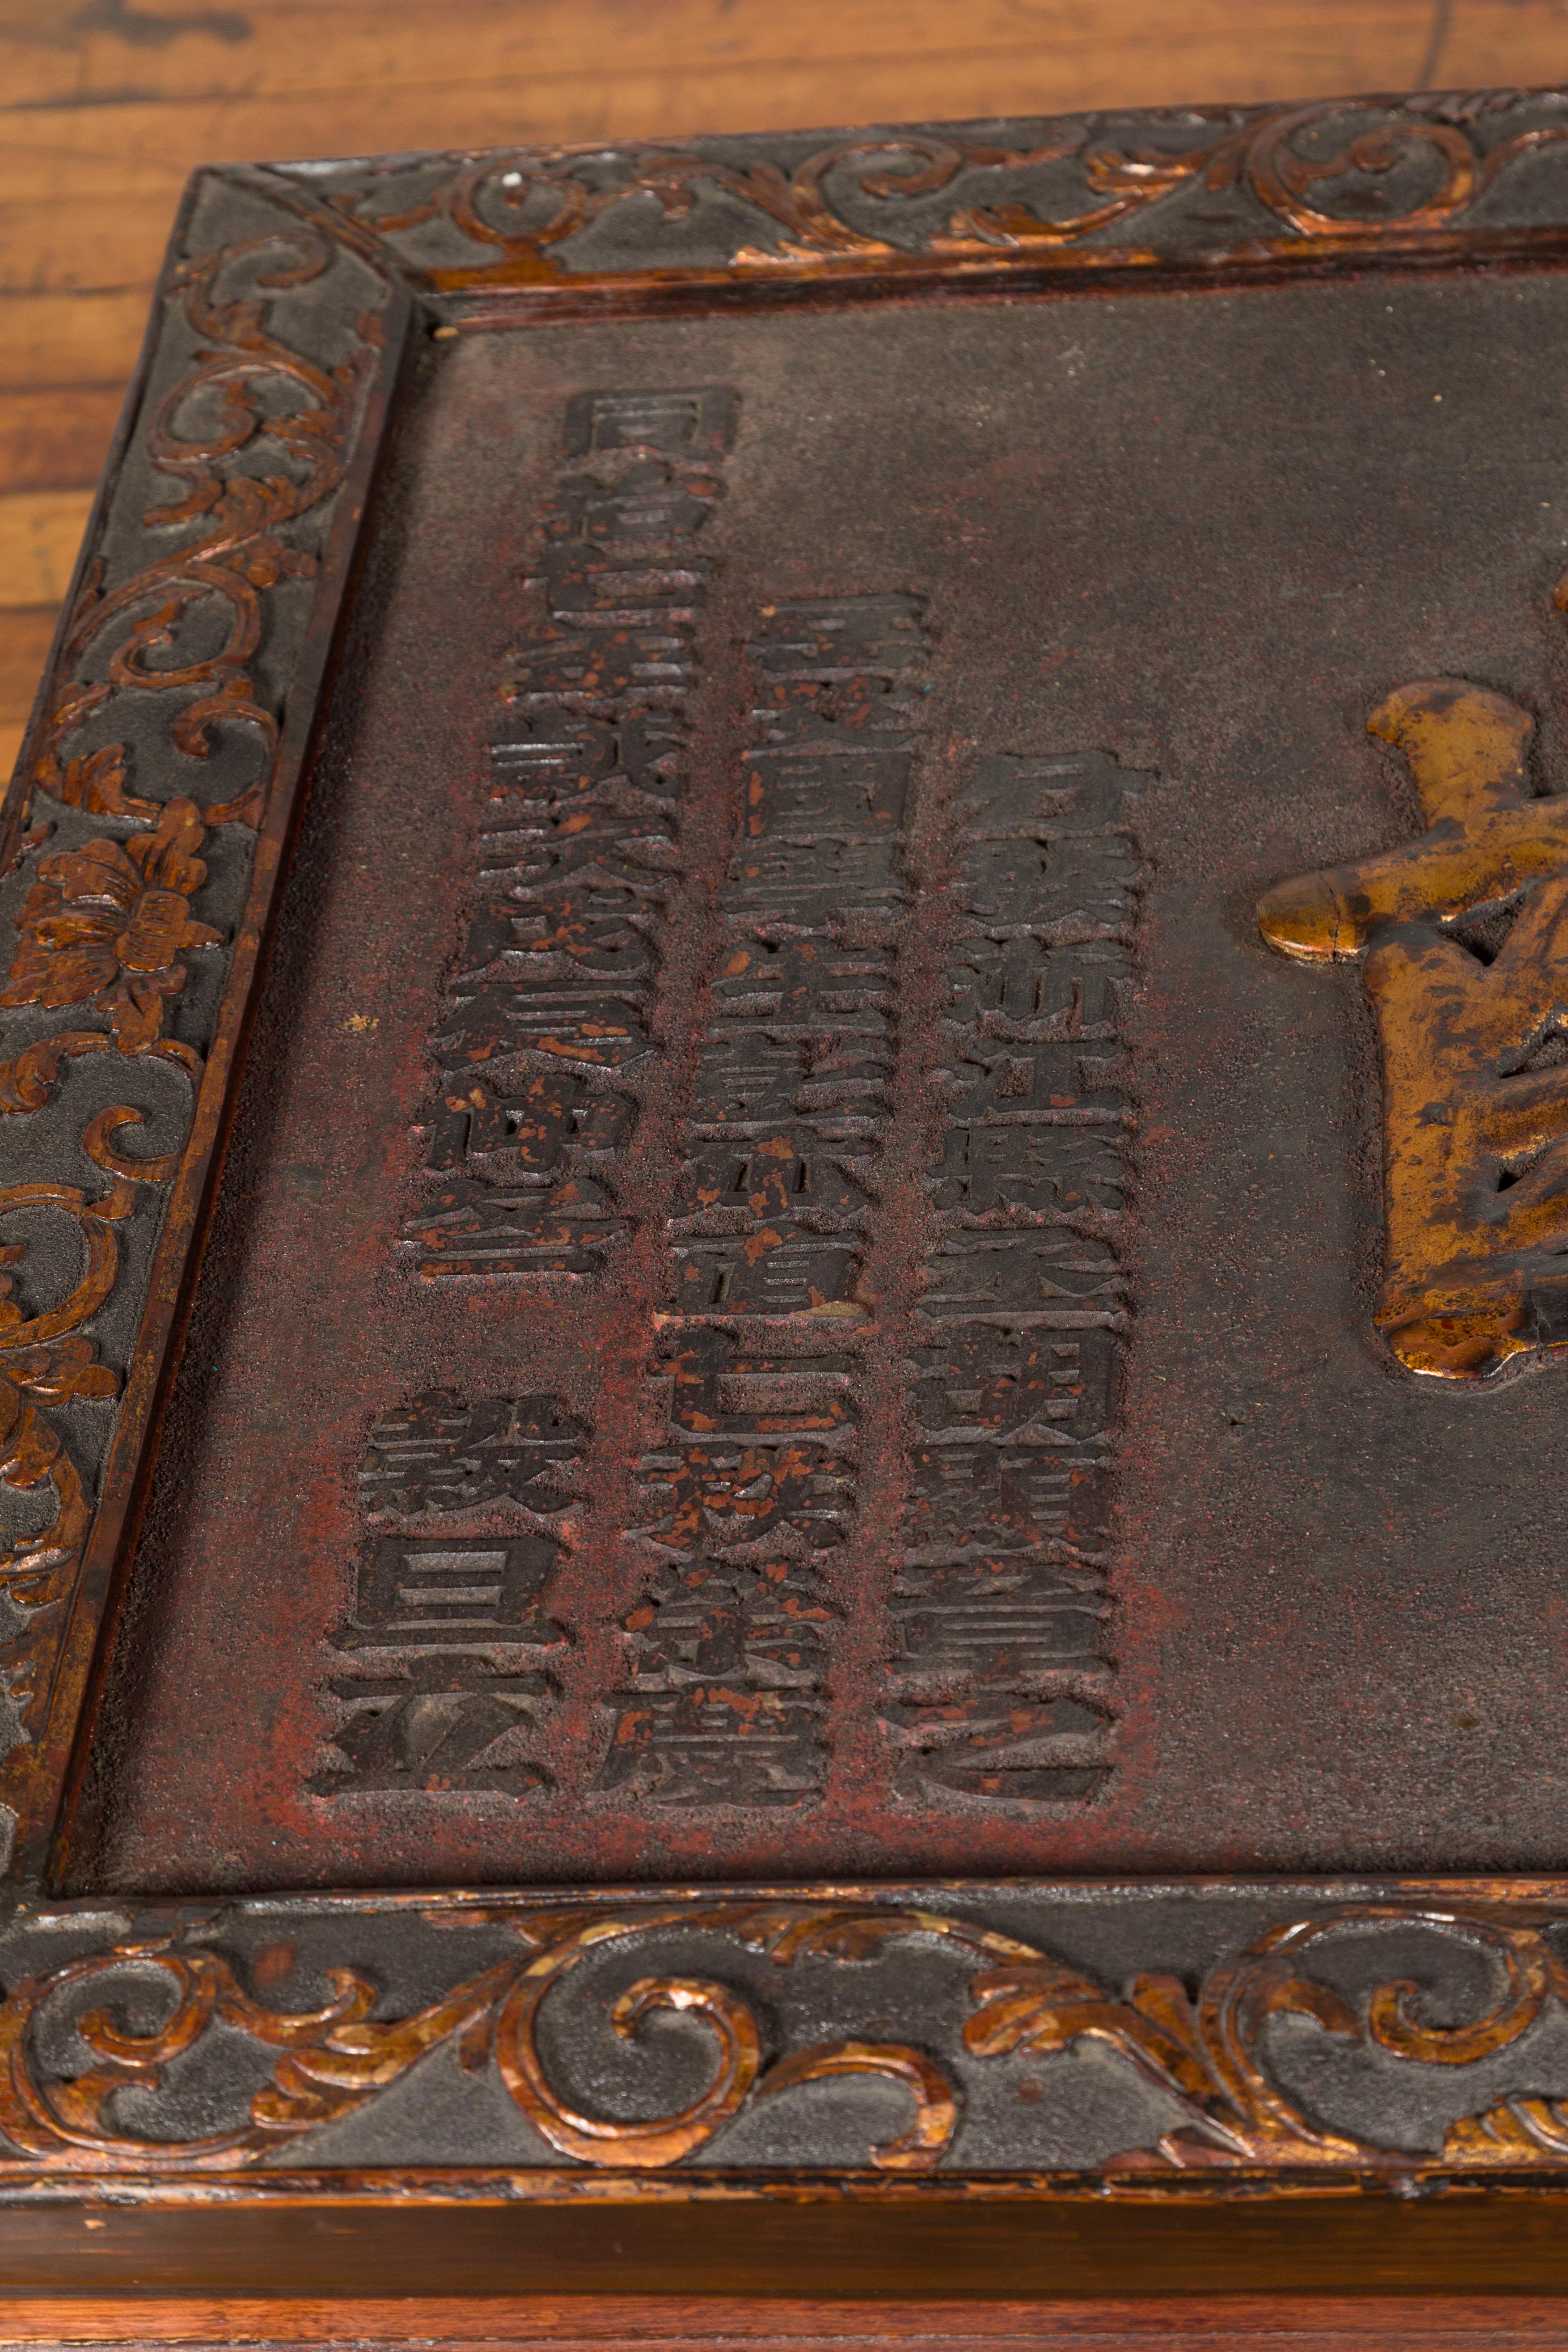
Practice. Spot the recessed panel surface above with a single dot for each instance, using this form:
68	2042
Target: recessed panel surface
795	1290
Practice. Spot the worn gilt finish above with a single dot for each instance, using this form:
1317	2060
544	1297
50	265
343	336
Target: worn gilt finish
201	629
107	931
1208	2053
1459	937
1107	191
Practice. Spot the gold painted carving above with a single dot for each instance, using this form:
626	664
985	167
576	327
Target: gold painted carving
104	926
1206	2053
1461	937
238	371
524	202
333	2060
45	1361
107	927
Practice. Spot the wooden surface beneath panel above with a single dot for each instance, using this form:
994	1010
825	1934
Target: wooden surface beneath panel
1241	2322
710	2324
108	104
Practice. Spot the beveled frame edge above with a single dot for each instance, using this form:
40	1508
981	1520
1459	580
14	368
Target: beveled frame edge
1216	191
53	1666
1275	2150
1222	2120
1044	2249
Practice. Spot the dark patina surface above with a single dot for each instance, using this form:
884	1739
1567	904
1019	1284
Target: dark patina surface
1192	540
785	1400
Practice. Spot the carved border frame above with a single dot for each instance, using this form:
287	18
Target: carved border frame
290	305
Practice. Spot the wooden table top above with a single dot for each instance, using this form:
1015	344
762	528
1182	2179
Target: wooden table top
109	106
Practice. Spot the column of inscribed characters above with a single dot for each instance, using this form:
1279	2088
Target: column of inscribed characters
753	1485
544	1028
1000	1672
442	1676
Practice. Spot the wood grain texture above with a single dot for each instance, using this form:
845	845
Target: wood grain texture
106	109
620	2323
1292	2249
46	436
40	531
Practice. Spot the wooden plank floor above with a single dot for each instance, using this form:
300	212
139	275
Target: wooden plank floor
107	105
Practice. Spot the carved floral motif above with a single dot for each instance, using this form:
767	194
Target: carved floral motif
105	924
1208	2053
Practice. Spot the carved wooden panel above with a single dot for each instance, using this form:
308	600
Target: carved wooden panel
688	1270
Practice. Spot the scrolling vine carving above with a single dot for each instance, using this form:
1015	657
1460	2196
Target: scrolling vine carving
1209	2054
241	551
107	927
44	1360
526	204
336	2058
1206	2052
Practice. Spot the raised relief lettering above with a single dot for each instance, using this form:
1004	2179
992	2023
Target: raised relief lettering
755	1513
544	1028
728	1640
1461	937
1000	1666
755	1480
440	1680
